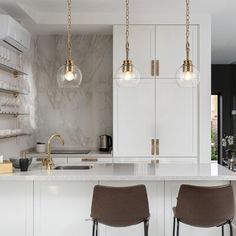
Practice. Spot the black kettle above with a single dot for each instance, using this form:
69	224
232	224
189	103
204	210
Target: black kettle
105	143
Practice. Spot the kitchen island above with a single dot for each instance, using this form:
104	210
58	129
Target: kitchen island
57	202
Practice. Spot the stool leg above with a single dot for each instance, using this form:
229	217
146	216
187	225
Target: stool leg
177	227
222	230
96	228
174	226
146	226
93	228
231	228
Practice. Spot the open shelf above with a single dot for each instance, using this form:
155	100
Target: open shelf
14	135
14	92
14	114
11	70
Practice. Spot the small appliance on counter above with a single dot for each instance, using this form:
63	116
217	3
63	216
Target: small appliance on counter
105	143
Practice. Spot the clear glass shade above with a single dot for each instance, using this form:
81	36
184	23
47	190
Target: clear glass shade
71	78
127	78
187	78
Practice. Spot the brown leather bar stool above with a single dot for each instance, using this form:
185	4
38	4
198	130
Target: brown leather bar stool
120	207
204	207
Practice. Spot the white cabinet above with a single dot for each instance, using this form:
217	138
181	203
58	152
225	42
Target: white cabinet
170	48
157	108
16	204
155	192
176	123
61	208
142	47
162	43
134	119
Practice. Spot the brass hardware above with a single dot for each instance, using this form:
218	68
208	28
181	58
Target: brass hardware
188	66
48	162
152	68
86	159
15	74
153	149
157	147
69	65
157	67
127	66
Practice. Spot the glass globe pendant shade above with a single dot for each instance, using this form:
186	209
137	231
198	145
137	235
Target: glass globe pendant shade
69	75
187	75
127	75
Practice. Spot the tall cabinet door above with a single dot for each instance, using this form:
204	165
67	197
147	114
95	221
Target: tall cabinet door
177	119
170	48
134	119
142	47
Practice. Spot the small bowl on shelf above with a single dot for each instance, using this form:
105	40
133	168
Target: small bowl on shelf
16	162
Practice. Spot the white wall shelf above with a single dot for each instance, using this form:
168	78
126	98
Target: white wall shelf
11	70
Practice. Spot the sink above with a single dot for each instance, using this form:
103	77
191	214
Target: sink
73	167
70	151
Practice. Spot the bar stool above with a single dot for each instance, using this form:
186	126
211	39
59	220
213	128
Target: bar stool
204	207
120	207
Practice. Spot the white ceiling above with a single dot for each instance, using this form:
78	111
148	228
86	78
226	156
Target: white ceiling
48	17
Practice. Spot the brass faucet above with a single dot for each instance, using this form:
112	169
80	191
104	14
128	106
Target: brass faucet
48	162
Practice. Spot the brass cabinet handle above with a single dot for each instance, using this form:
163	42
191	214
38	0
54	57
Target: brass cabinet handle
152	67
153	144
157	67
87	159
157	147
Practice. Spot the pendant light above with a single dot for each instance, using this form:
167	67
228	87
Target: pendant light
127	75
69	75
187	75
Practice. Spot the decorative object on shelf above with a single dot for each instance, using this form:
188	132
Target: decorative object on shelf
187	75
40	147
69	75
127	75
228	144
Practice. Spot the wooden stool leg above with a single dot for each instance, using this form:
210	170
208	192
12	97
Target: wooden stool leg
174	226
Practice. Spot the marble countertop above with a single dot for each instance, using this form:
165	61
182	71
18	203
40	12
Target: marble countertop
128	172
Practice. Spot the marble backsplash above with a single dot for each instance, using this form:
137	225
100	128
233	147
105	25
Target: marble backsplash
81	114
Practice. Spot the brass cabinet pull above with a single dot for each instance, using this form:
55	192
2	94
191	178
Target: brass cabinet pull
87	159
157	67
157	147
152	67
153	144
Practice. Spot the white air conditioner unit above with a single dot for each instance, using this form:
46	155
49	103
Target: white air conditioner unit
13	36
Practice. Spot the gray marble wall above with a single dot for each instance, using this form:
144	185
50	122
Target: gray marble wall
81	114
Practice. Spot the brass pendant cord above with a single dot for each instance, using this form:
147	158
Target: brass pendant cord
187	29
69	44
127	29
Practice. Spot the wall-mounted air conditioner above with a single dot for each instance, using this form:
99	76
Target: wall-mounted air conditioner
13	36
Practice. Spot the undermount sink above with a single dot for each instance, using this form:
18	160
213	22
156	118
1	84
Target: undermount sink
73	167
69	151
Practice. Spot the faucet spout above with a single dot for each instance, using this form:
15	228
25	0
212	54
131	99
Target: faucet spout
48	162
